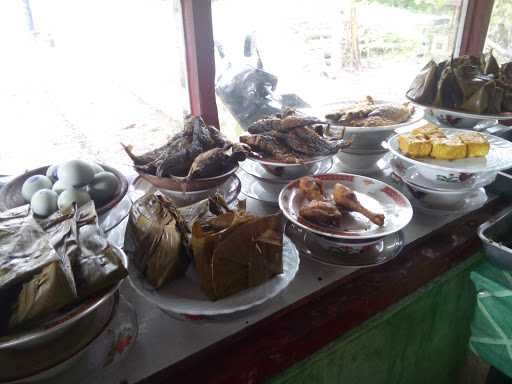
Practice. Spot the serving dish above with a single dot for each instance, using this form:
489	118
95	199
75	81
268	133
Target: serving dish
450	121
182	184
229	190
375	195
290	171
440	183
461	114
58	324
342	253
495	236
361	161
261	172
457	171
184	298
10	193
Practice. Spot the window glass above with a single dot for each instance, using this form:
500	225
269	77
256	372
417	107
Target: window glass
324	51
80	76
499	35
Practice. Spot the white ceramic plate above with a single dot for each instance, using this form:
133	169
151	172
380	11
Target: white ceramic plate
254	168
228	190
320	112
498	158
373	194
411	174
184	297
457	113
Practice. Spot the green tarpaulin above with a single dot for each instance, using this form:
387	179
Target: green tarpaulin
491	328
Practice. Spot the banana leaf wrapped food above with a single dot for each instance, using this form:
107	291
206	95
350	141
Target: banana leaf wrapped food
35	280
235	251
47	265
158	237
475	84
423	87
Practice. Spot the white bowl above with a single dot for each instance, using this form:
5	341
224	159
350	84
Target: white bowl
360	160
438	200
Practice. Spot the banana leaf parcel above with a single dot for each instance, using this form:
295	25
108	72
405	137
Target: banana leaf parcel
49	264
235	251
158	237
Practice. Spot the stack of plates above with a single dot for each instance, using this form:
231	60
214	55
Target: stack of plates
446	187
263	180
356	242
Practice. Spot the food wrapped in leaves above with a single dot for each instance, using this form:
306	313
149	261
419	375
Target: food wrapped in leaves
491	66
77	236
48	264
235	251
159	238
449	94
470	83
423	87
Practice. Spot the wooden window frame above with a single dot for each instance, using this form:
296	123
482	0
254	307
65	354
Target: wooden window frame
200	56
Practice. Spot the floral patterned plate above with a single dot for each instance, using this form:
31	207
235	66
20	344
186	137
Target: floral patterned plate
373	194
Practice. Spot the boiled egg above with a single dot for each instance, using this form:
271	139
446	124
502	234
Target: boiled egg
70	196
103	186
76	173
33	184
44	202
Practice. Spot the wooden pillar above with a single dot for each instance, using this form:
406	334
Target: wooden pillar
200	58
476	23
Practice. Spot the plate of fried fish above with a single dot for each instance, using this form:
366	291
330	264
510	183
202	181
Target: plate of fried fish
289	144
345	206
452	150
291	139
197	158
371	114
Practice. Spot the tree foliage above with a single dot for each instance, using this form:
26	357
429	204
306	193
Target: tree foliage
430	6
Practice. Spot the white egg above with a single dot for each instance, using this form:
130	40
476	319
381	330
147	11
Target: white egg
51	172
70	196
60	187
76	173
44	202
96	167
103	186
33	184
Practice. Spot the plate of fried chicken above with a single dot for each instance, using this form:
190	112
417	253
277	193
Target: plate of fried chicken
345	206
291	140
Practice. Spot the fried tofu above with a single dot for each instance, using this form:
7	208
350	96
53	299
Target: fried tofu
429	130
476	144
415	145
448	149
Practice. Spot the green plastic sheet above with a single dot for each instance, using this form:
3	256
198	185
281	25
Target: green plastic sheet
491	328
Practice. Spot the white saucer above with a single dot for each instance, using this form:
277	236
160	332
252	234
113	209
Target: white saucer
474	201
256	170
344	254
229	191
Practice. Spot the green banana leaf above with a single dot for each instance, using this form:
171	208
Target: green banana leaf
423	87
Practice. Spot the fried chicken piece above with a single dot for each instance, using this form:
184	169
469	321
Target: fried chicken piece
312	189
321	212
346	198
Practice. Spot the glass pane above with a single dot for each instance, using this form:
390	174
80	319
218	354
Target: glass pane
80	76
325	51
499	35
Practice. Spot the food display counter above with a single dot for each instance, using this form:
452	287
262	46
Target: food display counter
407	318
